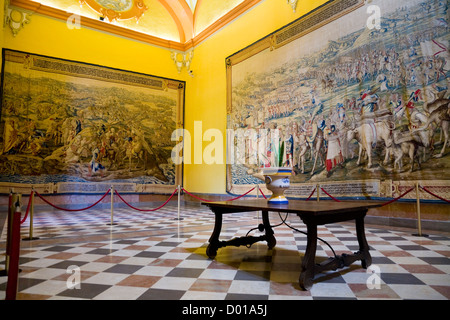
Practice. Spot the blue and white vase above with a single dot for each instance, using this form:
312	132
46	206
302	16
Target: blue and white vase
277	180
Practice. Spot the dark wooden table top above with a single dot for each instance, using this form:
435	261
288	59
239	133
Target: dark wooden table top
295	206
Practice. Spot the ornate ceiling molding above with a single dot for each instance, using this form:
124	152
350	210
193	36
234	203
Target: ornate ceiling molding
178	9
117	10
182	16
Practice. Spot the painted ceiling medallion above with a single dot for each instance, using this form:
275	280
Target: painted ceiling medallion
117	9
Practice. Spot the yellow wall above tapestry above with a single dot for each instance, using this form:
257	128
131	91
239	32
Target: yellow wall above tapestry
54	38
206	94
2	15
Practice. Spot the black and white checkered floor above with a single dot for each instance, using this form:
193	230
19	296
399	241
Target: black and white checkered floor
153	255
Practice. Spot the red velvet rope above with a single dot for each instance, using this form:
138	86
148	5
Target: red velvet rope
435	195
215	200
59	208
401	196
330	195
311	194
264	196
28	208
145	209
393	200
206	200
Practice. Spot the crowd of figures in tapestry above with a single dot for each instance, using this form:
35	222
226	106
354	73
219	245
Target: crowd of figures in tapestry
64	121
352	100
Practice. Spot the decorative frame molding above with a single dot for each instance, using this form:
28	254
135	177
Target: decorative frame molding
183	46
293	4
15	18
182	59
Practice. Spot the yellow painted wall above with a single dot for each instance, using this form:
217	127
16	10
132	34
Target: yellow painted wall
1	24
206	91
206	94
52	37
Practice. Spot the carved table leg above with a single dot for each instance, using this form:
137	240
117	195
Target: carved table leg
366	258
270	238
211	250
308	262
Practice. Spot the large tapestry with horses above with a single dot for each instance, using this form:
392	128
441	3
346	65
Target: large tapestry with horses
74	126
359	93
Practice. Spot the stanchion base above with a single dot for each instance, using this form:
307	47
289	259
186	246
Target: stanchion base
420	235
178	219
30	238
3	273
111	224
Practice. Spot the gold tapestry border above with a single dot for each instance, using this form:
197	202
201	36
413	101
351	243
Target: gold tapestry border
61	188
89	71
319	18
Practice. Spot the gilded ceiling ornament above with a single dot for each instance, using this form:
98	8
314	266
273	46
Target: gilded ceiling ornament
293	4
117	9
16	19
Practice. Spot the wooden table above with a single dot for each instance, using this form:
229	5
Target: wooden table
312	214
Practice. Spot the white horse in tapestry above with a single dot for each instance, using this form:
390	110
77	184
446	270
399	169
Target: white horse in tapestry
367	135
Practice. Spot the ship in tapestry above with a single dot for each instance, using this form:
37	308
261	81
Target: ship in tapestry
69	121
365	96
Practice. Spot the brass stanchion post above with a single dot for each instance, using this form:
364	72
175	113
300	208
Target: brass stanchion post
179	203
419	222
318	192
112	207
30	232
178	200
257	197
16	201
